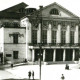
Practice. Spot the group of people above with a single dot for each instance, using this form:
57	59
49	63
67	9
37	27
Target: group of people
31	74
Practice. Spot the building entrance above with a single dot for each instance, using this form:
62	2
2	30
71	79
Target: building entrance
1	57
69	54
59	54
49	55
76	54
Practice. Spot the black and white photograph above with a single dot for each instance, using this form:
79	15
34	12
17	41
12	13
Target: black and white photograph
39	40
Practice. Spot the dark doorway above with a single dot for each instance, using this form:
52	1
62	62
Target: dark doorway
49	55
69	54
76	54
59	54
1	57
37	52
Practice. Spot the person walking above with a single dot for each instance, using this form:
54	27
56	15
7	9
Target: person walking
62	77
33	75
29	74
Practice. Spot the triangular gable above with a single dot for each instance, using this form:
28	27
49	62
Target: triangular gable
63	11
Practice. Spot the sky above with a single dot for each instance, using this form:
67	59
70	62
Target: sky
71	5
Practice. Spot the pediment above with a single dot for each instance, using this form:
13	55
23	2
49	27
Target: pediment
62	12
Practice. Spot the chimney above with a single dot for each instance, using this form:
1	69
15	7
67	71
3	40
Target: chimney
40	7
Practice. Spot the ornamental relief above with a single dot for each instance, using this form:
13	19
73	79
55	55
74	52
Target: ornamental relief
19	34
55	25
63	25
72	25
35	24
45	24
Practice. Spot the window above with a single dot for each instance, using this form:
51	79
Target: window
34	36
21	10
6	24
63	34
54	12
15	54
53	37
8	55
72	37
15	24
44	36
15	38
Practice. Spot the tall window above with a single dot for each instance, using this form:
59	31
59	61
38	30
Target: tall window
15	54
72	37
53	37
34	36
44	36
54	11
15	38
63	34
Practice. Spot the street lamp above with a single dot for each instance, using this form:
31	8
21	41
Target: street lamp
40	44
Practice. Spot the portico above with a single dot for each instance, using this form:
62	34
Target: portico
54	55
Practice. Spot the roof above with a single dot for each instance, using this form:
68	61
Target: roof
15	7
11	13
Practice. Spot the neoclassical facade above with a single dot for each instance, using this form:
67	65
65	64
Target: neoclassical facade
57	29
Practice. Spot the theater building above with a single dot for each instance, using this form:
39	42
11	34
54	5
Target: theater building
57	29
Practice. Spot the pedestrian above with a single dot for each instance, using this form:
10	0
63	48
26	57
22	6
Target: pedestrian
67	67
33	75
29	74
11	65
62	77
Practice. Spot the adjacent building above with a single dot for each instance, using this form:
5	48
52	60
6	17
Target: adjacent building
12	36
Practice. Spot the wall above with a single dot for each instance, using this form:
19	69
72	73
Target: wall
9	38
9	47
1	39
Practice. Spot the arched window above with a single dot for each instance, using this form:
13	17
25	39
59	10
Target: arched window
54	11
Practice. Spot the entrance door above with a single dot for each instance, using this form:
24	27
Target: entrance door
1	57
69	54
49	55
59	55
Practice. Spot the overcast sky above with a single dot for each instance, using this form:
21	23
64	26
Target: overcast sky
71	5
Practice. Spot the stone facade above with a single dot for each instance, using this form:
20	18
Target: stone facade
57	29
52	28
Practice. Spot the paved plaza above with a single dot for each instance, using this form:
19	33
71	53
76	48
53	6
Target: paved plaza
49	72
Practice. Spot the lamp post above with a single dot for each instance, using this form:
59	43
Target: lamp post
40	54
40	45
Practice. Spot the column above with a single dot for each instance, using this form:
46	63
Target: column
68	34
39	33
59	34
27	25
76	37
30	33
44	53
49	34
33	55
64	55
54	55
73	58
